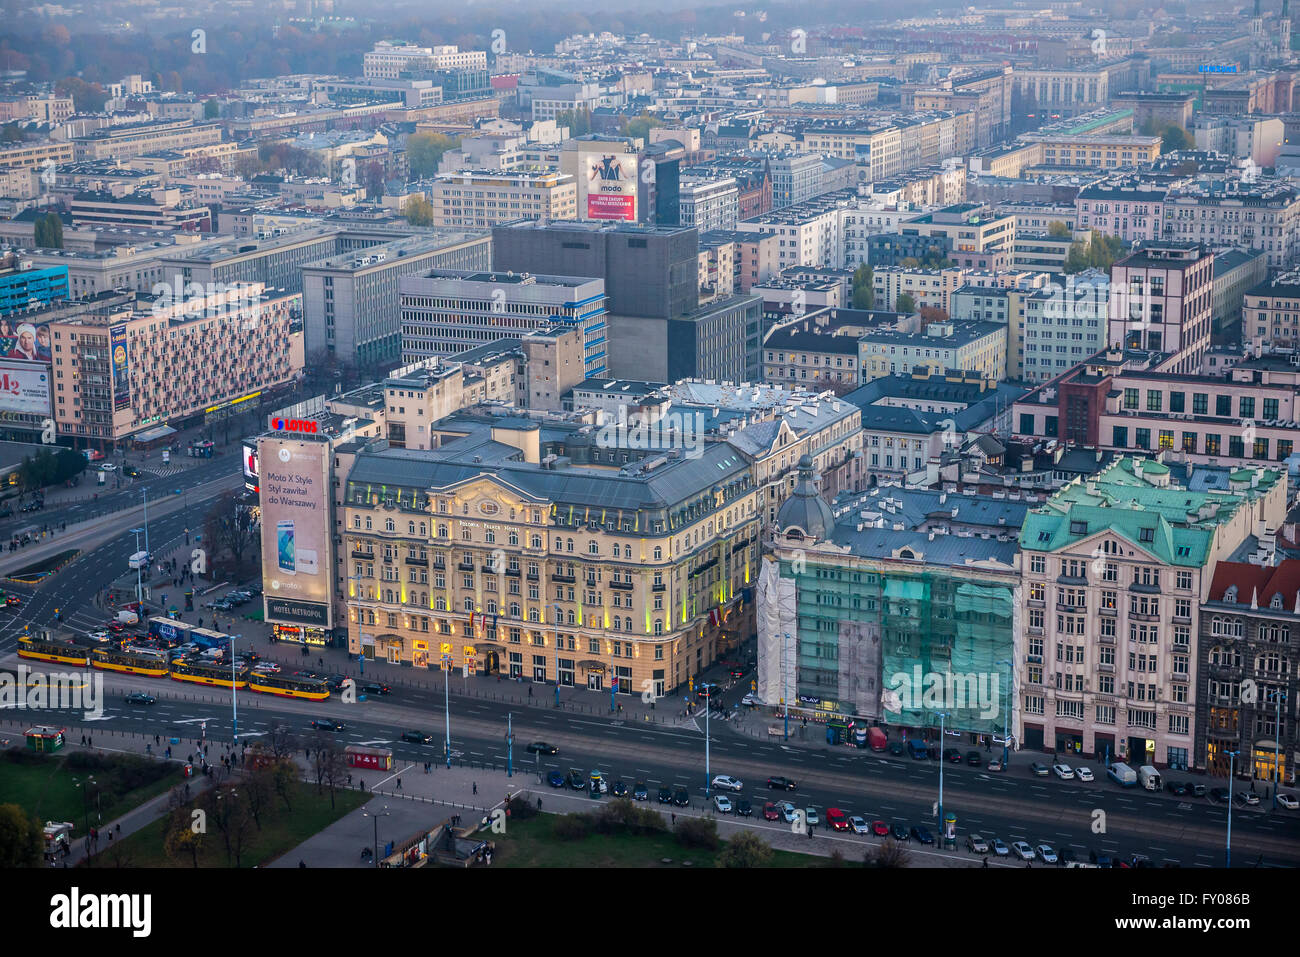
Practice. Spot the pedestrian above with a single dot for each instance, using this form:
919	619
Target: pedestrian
475	784
157	739
349	780
399	784
119	829
674	817
539	804
530	691
189	759
986	862
83	740
363	784
89	742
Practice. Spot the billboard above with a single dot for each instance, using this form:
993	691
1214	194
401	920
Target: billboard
297	564
121	368
611	187
24	340
250	467
24	387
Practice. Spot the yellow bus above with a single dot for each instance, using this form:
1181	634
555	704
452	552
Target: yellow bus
135	661
53	649
213	673
289	686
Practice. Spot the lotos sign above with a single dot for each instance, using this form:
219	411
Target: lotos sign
295	425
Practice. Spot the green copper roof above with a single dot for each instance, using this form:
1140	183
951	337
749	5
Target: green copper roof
1171	522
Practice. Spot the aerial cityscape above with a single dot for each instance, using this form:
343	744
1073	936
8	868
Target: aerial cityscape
685	436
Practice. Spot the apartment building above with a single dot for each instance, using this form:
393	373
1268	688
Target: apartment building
484	198
1161	300
1055	328
490	546
446	312
1064	92
389	60
707	204
927	287
23	285
132	139
165	209
965	346
1115	567
1102	152
48	109
1263	216
1129	208
856	599
969	227
275	261
1249	632
809	234
35	155
1270	316
1119	401
161	359
352	301
821	350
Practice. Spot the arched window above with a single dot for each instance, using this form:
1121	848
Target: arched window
659	553
410	528
469	605
659	626
389	525
441	603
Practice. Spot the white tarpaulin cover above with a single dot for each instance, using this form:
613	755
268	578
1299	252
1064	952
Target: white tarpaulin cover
776	619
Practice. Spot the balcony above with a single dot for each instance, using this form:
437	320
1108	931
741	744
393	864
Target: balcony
1108	612
658	587
422	562
622	586
514	573
1106	639
465	566
1139	616
567	579
1072	609
357	553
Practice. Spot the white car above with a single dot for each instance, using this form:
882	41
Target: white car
725	782
1023	850
859	825
750	699
1288	801
1083	774
811	817
977	844
108	467
1047	854
999	847
1063	771
722	804
99	636
789	813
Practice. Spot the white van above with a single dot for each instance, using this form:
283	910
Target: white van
1149	777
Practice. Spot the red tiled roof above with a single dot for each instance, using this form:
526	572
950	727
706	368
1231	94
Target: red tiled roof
1255	580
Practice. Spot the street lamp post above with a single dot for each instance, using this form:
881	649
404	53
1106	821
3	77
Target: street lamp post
708	706
374	819
446	704
139	572
1278	696
556	635
145	493
1232	764
510	745
234	694
85	810
1006	729
942	717
785	688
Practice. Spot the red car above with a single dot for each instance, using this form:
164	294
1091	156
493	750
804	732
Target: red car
837	819
880	829
770	812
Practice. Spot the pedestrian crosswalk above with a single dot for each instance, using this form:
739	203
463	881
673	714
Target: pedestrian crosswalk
162	471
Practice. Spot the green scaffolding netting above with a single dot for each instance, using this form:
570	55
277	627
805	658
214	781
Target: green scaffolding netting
901	648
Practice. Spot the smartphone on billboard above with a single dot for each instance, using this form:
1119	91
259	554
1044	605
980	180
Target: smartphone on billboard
284	547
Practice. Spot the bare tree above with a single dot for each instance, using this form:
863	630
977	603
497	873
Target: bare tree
259	789
230	528
285	777
227	809
329	766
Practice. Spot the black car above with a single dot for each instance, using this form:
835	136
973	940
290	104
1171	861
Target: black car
577	781
325	724
744	808
896	749
681	797
899	832
707	690
139	697
416	737
1219	794
952	755
974	759
1197	790
1065	855
335	682
782	783
1176	787
640	792
665	796
375	688
618	789
922	835
1100	858
541	747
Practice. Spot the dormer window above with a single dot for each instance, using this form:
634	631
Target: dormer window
1230	595
1276	603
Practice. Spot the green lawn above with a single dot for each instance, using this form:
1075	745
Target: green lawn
532	843
44	785
281	832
